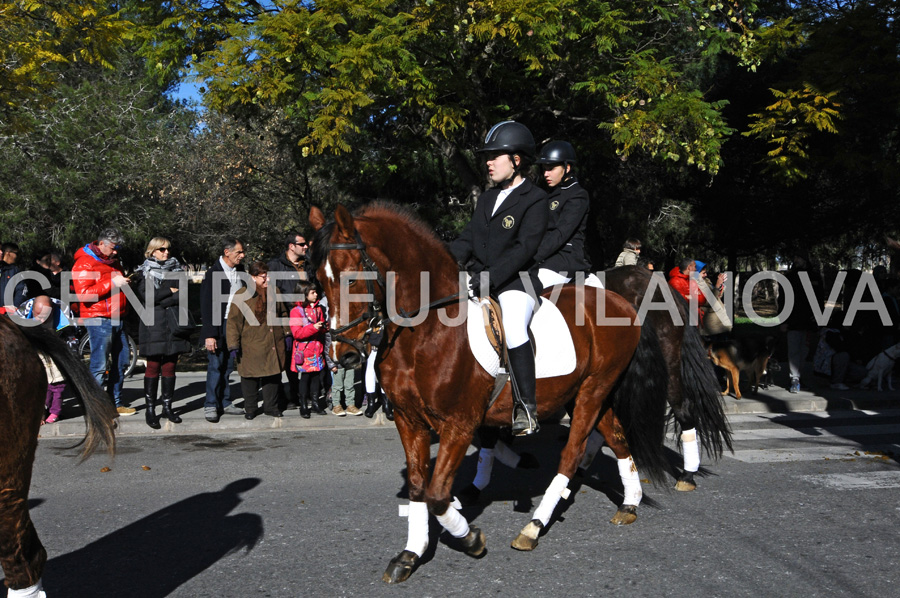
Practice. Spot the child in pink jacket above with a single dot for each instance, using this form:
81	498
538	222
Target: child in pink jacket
308	328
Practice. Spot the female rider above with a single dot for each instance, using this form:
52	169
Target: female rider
561	253
500	240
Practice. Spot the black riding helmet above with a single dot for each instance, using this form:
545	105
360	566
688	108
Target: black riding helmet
557	152
509	137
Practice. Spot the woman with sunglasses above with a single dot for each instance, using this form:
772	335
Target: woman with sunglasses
160	280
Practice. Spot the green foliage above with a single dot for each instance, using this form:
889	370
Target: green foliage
788	125
39	40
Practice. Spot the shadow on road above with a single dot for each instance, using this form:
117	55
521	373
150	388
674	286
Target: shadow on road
152	557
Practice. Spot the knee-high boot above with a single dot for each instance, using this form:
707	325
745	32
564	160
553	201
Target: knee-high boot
521	362
387	408
373	401
168	394
151	387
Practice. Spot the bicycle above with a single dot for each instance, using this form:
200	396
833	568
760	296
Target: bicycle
79	342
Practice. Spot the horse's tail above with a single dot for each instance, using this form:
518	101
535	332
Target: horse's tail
99	413
701	399
637	403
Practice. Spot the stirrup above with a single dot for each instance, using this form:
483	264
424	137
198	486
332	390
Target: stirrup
524	426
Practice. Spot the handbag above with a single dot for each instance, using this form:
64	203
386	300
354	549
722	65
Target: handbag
180	322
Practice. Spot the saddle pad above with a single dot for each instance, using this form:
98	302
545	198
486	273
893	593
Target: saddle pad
555	355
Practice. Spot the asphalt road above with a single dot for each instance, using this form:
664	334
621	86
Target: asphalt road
806	506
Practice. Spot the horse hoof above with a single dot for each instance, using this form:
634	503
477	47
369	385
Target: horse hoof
686	482
527	461
528	537
469	495
400	567
473	543
625	515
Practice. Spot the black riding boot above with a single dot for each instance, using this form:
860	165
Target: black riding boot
372	403
151	387
387	408
521	362
168	394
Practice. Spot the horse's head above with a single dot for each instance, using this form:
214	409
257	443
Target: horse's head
350	269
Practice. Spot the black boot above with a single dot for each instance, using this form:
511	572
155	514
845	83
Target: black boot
521	363
316	406
372	403
168	394
304	408
151	387
387	408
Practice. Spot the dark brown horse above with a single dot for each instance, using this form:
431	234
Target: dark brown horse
23	386
437	384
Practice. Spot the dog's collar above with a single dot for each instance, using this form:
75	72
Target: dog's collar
886	354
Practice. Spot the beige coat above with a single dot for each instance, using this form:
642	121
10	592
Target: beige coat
261	346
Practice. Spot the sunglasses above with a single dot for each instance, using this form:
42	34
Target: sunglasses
166	249
303	244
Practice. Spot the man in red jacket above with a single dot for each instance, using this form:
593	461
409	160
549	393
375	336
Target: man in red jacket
97	277
681	278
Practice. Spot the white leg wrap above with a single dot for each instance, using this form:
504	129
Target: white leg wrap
630	482
557	489
691	450
485	466
594	444
454	523
35	591
417	536
506	455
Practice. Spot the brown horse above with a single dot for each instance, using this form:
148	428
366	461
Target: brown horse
691	391
437	384
23	386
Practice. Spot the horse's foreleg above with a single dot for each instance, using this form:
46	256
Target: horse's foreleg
612	430
690	448
416	443
451	452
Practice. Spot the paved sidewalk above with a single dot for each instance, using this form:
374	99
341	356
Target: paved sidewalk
191	389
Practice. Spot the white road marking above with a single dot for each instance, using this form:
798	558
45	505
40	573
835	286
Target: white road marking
809	453
874	480
814	431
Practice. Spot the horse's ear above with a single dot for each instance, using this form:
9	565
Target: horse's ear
316	218
344	220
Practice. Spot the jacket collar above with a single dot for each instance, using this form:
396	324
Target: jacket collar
511	200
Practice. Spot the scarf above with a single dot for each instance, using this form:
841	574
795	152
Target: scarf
156	271
93	250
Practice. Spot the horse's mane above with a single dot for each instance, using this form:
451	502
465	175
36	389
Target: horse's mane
427	243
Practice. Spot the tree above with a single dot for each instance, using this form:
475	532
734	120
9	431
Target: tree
39	40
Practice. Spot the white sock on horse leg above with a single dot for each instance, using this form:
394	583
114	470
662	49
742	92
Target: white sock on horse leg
594	444
454	523
485	466
417	535
557	489
506	455
691	450
631	482
35	591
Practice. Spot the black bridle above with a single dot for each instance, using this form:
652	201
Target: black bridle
374	314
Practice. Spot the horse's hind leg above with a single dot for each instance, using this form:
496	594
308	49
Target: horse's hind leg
22	555
612	430
579	431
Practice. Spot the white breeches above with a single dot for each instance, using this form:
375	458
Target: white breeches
518	308
370	371
550	278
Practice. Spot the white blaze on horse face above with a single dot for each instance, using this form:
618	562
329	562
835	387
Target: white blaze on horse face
328	271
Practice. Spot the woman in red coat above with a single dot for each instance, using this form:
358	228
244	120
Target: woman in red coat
308	328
